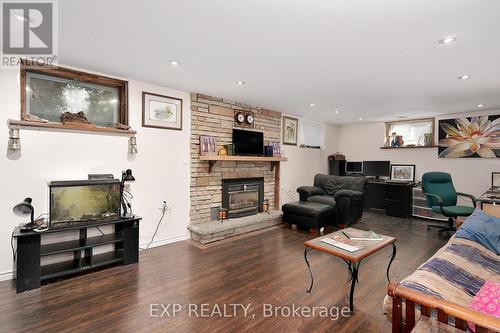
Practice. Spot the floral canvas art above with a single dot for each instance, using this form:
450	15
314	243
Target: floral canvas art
290	129
470	137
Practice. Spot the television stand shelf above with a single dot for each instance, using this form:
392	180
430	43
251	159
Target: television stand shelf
31	272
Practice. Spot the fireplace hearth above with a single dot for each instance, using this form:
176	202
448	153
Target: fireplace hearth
242	196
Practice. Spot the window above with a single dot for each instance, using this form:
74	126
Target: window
312	134
418	132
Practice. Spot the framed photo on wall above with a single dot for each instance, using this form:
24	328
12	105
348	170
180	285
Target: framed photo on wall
160	111
403	172
290	130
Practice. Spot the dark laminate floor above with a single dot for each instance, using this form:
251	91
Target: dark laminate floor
264	268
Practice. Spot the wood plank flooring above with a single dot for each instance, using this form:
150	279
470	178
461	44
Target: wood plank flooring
266	268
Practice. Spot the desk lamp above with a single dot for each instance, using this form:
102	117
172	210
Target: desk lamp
25	208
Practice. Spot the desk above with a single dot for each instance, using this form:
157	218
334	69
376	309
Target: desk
394	198
489	202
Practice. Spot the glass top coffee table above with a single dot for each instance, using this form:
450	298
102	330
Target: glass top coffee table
352	259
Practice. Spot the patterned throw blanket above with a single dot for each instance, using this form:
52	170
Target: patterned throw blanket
455	273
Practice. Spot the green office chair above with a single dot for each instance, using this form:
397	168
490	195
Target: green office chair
442	198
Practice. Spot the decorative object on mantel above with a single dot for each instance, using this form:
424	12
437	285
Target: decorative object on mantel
121	126
290	130
244	119
14	139
208	145
222	152
276	148
160	111
33	118
223	215
469	137
49	91
230	149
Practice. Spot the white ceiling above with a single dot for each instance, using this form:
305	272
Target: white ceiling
375	59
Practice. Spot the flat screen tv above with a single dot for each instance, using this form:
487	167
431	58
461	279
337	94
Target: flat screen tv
83	201
249	143
377	168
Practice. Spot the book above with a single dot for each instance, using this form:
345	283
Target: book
343	243
356	234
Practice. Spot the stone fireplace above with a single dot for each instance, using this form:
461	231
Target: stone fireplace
242	196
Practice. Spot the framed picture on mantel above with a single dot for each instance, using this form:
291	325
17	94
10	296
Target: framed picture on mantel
161	111
290	130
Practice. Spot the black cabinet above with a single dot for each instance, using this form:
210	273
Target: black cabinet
394	198
30	251
336	167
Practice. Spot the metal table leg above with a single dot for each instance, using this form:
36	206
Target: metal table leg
392	259
354	278
309	268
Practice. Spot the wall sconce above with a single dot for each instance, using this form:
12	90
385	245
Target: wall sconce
132	145
14	139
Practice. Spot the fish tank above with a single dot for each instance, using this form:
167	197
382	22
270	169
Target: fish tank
79	202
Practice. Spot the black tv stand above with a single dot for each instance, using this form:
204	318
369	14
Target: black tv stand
31	273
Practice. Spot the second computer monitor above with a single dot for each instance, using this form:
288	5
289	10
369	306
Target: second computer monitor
354	167
377	168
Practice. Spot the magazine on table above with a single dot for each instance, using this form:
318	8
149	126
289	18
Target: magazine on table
362	235
343	243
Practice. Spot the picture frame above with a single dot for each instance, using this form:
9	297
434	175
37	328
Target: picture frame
403	172
208	145
495	180
290	130
159	111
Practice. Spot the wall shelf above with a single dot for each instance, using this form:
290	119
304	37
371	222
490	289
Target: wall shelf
69	127
410	147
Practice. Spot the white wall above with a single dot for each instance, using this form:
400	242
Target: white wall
363	141
304	163
161	167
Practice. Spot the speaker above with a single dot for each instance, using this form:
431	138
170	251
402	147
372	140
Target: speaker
268	151
336	167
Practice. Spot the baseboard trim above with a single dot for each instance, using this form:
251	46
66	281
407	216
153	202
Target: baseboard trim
6	276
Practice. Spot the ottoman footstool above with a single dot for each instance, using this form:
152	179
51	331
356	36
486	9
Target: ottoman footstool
310	215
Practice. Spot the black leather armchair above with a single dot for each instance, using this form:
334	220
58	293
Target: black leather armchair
344	194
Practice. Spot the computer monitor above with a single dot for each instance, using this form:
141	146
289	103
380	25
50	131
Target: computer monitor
377	168
354	167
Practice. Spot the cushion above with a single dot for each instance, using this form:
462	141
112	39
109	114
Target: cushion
441	184
323	199
331	184
486	301
483	229
306	208
454	210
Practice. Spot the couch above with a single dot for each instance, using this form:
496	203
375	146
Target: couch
332	200
444	286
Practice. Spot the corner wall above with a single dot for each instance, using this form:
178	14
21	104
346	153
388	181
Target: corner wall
161	167
363	141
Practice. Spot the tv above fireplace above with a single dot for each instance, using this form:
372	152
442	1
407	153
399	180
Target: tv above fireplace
249	143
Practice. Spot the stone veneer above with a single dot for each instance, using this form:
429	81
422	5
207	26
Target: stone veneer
215	116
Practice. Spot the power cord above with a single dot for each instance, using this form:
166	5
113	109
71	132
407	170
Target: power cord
157	227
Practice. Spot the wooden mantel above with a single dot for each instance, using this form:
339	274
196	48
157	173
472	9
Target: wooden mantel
275	165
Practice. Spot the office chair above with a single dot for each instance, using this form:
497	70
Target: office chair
442	198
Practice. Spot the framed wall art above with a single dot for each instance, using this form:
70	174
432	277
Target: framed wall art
470	137
290	130
403	172
160	111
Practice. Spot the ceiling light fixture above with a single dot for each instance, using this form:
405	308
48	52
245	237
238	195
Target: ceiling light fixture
360	118
464	77
337	111
480	105
174	63
240	83
311	105
447	40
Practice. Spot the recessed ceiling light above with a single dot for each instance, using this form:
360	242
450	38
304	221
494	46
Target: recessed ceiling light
240	83
464	77
480	105
360	118
447	40
311	105
337	111
174	63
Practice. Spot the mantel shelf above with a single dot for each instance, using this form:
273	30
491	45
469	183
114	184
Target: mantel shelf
214	158
410	147
60	126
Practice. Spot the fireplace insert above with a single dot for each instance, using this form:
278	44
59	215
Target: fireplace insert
243	196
